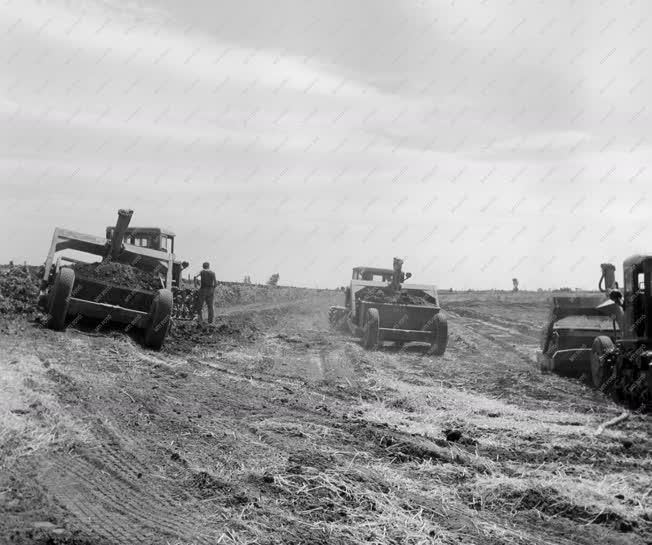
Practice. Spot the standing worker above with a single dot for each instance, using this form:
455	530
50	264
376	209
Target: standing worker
206	291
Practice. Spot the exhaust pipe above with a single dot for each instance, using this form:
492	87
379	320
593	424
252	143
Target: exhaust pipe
124	217
608	276
614	303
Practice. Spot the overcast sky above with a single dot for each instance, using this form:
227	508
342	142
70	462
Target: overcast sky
478	140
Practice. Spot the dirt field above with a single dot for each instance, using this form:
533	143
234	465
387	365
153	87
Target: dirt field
269	428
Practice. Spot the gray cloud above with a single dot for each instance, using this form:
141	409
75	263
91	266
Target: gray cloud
449	133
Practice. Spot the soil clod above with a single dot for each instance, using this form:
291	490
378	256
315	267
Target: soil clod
19	289
386	295
119	274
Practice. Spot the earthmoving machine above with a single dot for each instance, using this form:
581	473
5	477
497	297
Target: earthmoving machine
379	307
573	323
66	291
606	337
185	299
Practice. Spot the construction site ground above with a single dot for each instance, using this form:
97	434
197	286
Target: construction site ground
270	428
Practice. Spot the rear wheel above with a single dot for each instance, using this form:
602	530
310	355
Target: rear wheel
370	337
440	335
59	299
160	315
602	346
545	362
337	318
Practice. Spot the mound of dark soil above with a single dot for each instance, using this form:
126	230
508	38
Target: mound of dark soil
185	335
119	274
19	288
385	295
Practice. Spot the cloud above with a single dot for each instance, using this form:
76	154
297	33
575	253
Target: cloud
309	136
165	48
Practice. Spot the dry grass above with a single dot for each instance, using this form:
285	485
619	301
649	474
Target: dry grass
31	418
359	505
322	494
517	463
558	493
307	438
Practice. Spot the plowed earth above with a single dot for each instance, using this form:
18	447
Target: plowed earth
269	428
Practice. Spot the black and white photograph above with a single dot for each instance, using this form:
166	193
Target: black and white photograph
304	272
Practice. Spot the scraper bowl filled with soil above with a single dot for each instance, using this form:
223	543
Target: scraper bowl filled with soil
130	284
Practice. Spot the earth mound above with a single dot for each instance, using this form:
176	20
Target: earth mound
385	295
119	274
19	289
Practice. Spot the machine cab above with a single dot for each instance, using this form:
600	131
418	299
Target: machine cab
638	296
372	274
147	237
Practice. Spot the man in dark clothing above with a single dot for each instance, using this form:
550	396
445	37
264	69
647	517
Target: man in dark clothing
206	291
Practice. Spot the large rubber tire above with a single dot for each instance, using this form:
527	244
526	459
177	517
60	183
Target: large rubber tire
337	318
370	337
545	362
160	319
59	298
602	346
440	335
332	317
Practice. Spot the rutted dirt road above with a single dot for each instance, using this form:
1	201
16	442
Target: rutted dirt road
269	428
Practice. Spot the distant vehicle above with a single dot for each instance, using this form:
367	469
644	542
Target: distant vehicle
396	319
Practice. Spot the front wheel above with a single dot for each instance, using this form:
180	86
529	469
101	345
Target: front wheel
370	339
545	362
337	318
602	347
59	300
160	315
440	335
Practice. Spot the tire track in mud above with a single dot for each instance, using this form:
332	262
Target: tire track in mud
93	482
312	409
101	487
107	490
517	342
111	508
110	493
285	429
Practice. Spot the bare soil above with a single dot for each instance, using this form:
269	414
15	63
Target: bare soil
19	288
387	295
118	274
270	428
